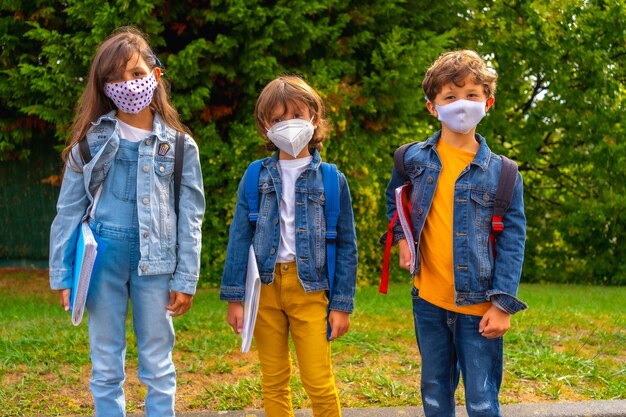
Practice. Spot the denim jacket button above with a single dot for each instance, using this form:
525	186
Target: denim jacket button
149	142
161	168
146	234
486	197
420	211
146	201
273	251
146	169
429	180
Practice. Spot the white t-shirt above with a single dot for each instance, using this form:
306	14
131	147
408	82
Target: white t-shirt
131	133
290	170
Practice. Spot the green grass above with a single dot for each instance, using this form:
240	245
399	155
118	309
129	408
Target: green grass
569	346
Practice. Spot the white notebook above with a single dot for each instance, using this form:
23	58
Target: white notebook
84	262
251	301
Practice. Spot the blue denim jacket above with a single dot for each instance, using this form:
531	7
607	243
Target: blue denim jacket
310	224
477	277
155	205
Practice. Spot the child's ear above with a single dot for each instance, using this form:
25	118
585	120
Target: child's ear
489	103
431	108
157	73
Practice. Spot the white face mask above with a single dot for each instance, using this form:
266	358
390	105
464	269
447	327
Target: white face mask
291	136
461	116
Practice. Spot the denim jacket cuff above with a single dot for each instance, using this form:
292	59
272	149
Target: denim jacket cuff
184	283
397	236
60	279
232	293
342	304
506	302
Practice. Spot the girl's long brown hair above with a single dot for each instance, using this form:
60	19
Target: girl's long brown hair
110	60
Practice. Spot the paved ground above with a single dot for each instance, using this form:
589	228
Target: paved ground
615	408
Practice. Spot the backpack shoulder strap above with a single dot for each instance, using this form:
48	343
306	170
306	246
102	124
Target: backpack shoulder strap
179	156
85	152
398	160
330	176
504	193
251	188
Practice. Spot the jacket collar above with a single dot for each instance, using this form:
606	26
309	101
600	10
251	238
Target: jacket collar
482	157
159	128
314	164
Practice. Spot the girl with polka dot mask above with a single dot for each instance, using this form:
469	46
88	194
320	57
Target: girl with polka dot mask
119	183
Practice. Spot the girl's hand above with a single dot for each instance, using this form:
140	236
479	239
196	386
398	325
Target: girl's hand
339	323
234	316
64	298
494	323
180	303
405	254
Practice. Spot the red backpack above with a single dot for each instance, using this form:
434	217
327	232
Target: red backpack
504	193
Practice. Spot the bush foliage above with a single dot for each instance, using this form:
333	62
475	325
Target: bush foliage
558	105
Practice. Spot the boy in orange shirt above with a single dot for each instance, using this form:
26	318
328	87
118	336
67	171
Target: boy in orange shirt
462	296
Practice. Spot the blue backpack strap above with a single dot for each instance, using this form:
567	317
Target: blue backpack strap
330	176
251	188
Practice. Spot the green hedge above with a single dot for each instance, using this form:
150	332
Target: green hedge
558	104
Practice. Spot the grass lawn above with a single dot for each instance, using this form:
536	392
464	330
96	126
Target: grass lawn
569	346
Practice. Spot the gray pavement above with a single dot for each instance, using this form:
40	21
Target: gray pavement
614	408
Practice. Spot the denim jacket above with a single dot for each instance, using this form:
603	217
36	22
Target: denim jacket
161	253
477	276
310	225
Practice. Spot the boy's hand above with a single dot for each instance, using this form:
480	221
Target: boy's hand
64	299
180	303
234	316
495	323
405	254
339	323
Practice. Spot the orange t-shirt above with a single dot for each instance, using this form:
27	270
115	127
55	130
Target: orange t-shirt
435	280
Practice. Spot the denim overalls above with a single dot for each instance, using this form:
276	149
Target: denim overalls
115	282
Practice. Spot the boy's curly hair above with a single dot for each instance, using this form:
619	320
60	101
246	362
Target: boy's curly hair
454	67
290	90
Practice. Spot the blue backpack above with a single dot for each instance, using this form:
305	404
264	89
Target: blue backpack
330	177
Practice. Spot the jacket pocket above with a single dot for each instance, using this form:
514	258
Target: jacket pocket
482	205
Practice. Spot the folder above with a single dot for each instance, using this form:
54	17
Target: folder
251	301
89	251
403	208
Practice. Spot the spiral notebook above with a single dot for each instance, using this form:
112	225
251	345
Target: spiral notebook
88	251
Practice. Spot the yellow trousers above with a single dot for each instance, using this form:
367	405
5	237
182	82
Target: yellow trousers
285	307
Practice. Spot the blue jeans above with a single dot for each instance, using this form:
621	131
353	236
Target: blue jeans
450	344
112	286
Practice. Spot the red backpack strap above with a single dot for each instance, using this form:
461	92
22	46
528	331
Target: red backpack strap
398	164
504	194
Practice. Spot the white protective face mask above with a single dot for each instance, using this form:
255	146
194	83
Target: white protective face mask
291	136
132	96
461	116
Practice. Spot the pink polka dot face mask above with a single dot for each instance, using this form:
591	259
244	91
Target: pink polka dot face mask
132	96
